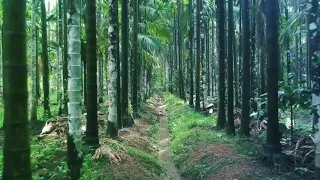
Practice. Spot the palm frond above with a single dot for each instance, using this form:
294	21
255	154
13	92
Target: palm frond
295	21
151	44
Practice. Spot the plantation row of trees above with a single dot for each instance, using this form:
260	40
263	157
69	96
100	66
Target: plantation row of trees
80	49
190	48
241	52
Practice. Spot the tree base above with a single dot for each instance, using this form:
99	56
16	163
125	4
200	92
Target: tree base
272	157
127	121
92	141
112	131
136	115
73	160
88	149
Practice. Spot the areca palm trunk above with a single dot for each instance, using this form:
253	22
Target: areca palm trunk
236	69
245	119
92	137
273	60
135	57
170	69
34	96
60	59
74	144
45	60
203	59
253	49
198	55
101	79
65	59
230	127
221	29
213	67
313	51
180	49
287	42
37	66
261	33
240	52
112	124
119	111
191	34
16	150
126	118
208	74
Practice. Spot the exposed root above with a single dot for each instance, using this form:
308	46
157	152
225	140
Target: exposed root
278	162
105	151
302	153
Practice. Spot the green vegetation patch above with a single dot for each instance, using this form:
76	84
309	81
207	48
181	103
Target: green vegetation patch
203	152
138	154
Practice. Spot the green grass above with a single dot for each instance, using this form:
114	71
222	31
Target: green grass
193	132
48	157
150	161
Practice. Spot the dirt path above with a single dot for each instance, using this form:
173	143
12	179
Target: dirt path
165	153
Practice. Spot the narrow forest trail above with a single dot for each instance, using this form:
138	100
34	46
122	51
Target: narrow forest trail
165	151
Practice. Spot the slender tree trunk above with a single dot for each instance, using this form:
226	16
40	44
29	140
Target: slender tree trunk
207	33
203	59
245	119
198	56
221	21
213	67
273	61
253	49
101	94
240	52
37	67
301	56
236	69
296	62
60	42
180	49
45	60
262	51
34	100
135	56
16	150
126	118
230	127
287	43
65	59
74	141
175	52
92	133
191	61
118	61
170	69
140	20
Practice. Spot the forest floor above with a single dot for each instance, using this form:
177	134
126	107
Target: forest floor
169	141
165	153
135	154
203	152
